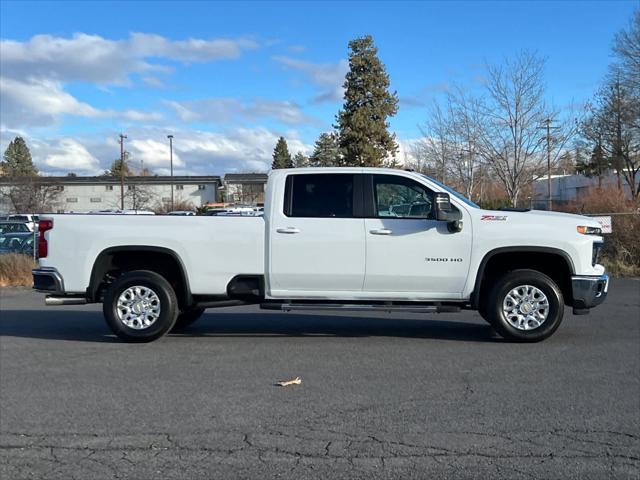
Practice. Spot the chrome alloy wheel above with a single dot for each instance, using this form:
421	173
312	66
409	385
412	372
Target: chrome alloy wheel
525	307
138	307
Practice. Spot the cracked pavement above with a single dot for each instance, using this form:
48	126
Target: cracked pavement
383	396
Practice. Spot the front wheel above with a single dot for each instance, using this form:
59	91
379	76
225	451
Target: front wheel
525	306
140	306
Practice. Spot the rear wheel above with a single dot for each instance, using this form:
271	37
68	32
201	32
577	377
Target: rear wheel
187	317
140	306
525	306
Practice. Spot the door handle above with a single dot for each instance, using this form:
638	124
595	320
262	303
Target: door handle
288	230
382	231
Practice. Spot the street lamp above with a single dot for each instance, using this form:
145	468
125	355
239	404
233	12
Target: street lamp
170	137
122	137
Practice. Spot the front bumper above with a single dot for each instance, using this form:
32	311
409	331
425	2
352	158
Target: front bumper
589	292
47	279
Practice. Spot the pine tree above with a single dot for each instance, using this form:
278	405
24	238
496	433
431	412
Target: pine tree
116	167
300	160
326	152
17	161
281	155
362	123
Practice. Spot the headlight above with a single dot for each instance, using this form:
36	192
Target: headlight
589	230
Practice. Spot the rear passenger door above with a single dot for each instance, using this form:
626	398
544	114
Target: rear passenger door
317	239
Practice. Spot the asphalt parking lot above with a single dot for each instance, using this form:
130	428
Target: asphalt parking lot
382	397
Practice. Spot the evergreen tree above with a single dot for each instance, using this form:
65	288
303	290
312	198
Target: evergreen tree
326	152
300	160
117	165
281	155
362	122
17	160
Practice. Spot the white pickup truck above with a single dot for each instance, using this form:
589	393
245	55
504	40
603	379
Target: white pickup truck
330	238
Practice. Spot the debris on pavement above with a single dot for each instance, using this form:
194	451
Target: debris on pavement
286	383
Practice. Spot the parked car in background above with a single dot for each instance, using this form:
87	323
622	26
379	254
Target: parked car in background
120	212
182	212
20	242
13	227
236	212
29	219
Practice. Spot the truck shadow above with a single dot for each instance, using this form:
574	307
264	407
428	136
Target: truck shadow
90	326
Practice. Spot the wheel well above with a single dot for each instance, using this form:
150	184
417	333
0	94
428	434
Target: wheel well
555	265
113	262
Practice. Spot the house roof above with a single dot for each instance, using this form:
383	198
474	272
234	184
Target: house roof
246	178
107	180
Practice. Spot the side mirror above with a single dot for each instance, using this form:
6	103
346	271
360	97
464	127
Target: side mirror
445	212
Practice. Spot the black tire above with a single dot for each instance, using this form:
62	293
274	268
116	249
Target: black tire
166	298
187	317
497	318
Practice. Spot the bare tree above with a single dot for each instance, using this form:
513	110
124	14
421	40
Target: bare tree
627	50
466	129
31	195
433	151
513	112
449	148
613	127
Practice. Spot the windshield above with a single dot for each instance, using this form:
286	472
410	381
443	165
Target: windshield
13	227
451	191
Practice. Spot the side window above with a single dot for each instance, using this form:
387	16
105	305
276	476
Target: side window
401	197
319	195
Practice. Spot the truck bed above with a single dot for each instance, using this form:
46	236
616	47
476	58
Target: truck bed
212	249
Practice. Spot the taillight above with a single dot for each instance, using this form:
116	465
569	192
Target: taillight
43	248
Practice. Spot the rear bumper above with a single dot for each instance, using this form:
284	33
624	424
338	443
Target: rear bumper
589	292
47	279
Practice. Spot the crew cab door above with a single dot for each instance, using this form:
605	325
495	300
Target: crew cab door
316	240
408	253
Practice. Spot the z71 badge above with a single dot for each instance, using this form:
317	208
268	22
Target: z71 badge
494	218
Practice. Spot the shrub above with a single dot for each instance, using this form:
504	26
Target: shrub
15	270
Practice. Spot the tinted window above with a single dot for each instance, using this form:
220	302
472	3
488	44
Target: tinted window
401	197
320	195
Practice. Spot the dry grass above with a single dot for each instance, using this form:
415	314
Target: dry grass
15	270
621	252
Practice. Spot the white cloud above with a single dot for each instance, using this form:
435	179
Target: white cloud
42	102
406	151
153	153
329	77
194	152
100	60
38	102
35	72
69	155
226	110
191	50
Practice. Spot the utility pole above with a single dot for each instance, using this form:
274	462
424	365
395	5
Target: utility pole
122	137
170	137
548	127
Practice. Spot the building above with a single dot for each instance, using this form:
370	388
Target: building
83	194
244	188
570	188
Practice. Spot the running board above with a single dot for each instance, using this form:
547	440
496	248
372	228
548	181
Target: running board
288	307
57	301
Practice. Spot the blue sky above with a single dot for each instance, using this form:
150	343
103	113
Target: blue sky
228	78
